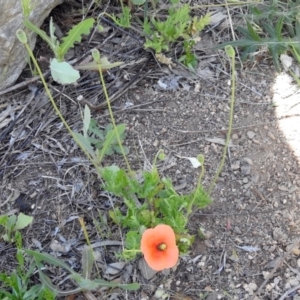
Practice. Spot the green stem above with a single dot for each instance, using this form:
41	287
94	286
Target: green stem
221	165
191	204
96	55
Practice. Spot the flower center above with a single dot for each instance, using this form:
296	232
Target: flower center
162	247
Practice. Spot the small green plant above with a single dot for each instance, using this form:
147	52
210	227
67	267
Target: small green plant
161	204
11	225
61	71
178	26
99	143
189	59
17	285
125	17
160	35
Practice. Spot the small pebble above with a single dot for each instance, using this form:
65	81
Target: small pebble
145	270
293	281
235	136
250	134
252	286
245	180
246	169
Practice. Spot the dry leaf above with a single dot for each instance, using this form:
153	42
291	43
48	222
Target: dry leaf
165	60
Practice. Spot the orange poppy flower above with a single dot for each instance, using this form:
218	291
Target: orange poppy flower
159	247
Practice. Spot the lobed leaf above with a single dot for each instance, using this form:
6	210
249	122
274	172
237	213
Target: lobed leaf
74	35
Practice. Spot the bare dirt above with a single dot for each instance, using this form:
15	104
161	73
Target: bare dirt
250	226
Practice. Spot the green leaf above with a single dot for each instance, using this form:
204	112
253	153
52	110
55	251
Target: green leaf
200	23
32	292
87	261
278	28
124	20
51	31
63	72
3	220
116	215
252	32
129	287
41	33
11	222
84	143
104	64
22	221
47	282
95	130
138	2
118	149
74	35
84	283
133	240
110	139
39	257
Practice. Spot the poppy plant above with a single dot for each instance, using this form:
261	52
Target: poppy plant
159	247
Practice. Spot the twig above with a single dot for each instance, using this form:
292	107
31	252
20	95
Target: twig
23	84
275	268
295	288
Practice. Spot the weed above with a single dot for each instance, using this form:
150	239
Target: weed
17	284
161	205
260	31
83	282
98	142
11	225
160	35
189	58
177	25
124	19
61	71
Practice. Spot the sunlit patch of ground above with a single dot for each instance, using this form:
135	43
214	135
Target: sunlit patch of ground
287	101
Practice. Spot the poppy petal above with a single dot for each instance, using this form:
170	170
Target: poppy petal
155	257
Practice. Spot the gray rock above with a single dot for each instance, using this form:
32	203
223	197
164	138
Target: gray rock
246	169
115	268
247	160
245	180
13	53
146	271
235	165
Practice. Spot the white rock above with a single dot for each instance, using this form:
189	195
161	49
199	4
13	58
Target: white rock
293	281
